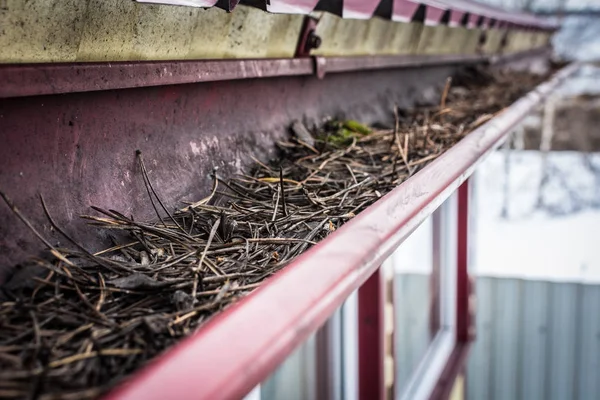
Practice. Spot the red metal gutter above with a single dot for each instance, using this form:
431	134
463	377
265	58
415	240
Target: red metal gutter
240	347
344	64
38	79
20	80
545	51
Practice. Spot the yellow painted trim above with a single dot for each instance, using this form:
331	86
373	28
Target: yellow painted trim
122	30
108	31
493	41
39	31
406	37
376	36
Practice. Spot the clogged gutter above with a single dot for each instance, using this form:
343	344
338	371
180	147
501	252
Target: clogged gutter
75	324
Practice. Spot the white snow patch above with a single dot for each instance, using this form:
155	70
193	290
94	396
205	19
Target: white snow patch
415	254
585	80
557	241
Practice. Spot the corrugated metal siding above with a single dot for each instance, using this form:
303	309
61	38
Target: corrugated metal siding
505	345
589	344
535	340
563	327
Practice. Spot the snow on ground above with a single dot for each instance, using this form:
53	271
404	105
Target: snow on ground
524	229
540	219
585	81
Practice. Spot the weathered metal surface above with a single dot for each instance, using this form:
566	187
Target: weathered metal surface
41	31
343	64
375	36
116	30
523	59
38	79
309	39
78	149
292	304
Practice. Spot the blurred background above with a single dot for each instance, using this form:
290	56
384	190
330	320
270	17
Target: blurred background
579	37
538	264
535	252
538	230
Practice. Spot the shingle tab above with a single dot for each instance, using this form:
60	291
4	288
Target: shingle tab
402	10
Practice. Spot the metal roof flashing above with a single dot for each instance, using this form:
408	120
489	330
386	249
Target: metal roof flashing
402	10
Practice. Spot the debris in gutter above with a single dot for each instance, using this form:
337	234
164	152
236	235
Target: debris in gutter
76	324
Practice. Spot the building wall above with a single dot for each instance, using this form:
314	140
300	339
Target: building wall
535	340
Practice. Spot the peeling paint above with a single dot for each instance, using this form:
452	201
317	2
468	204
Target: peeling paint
195	149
